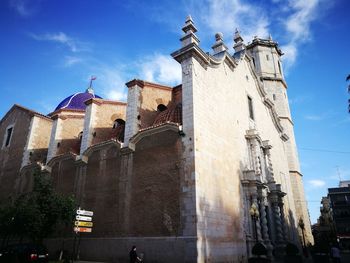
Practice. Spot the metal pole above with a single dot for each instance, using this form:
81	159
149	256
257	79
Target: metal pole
73	252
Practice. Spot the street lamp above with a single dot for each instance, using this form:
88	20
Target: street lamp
254	212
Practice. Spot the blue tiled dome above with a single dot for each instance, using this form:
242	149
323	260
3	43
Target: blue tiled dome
76	101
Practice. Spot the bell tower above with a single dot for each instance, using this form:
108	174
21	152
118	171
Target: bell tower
266	58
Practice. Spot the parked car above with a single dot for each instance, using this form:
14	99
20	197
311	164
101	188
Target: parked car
24	253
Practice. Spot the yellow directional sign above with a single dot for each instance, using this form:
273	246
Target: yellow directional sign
86	224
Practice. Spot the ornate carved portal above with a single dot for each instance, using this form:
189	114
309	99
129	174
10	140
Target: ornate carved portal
261	191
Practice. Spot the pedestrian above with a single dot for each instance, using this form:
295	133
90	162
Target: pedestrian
335	254
133	255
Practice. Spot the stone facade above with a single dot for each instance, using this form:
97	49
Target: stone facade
180	168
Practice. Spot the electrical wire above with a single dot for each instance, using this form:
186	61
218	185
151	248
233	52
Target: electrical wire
322	150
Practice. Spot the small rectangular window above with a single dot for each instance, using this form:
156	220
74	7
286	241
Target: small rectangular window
8	136
274	96
250	105
267	57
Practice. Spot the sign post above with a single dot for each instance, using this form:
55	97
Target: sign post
82	224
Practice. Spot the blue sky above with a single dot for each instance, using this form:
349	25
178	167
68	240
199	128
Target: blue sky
50	48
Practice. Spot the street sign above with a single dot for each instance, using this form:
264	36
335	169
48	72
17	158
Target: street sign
85	212
83	218
81	223
83	229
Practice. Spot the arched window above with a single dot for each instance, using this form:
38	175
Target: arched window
161	107
118	122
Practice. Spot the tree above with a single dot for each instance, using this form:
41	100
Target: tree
37	214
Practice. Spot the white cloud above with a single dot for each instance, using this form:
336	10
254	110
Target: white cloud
299	99
226	15
161	68
25	8
297	26
110	82
70	61
316	183
314	117
298	23
73	44
290	55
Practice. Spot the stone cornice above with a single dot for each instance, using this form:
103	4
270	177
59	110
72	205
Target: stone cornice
287	118
275	79
102	101
268	103
266	43
193	50
53	114
69	116
142	84
151	131
87	153
65	156
295	172
29	111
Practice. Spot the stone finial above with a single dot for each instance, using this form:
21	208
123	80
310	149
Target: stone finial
237	37
190	30
189	26
270	37
219	45
239	45
219	36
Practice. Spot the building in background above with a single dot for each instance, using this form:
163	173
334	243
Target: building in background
176	169
339	198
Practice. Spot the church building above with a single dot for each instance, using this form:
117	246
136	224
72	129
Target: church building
199	172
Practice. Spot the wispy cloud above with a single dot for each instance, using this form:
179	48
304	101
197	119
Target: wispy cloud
299	99
70	61
25	8
314	117
73	44
223	16
112	81
290	20
316	183
321	116
298	27
161	68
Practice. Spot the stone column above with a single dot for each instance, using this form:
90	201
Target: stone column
263	219
267	152
277	218
283	221
257	222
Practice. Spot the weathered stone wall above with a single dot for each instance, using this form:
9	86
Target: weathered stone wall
268	65
143	99
150	98
38	141
220	122
11	156
106	114
63	174
66	128
155	190
100	193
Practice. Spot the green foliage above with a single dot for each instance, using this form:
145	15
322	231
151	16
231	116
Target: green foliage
36	214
